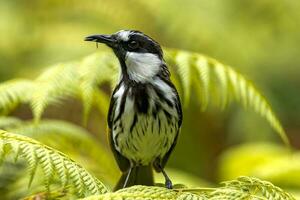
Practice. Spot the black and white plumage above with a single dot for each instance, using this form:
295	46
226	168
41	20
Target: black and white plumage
145	114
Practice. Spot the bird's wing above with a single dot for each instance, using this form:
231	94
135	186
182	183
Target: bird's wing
123	162
159	166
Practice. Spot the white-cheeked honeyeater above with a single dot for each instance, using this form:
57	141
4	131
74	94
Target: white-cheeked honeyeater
145	113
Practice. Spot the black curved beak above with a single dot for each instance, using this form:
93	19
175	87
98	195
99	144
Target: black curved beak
105	39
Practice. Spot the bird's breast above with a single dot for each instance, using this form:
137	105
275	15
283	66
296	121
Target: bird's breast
145	121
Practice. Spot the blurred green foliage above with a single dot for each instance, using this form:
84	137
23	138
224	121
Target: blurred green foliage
260	37
266	160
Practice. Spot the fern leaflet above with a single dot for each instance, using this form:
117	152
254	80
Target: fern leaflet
51	161
54	84
14	92
221	82
244	188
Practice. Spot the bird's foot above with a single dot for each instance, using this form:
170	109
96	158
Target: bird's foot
168	184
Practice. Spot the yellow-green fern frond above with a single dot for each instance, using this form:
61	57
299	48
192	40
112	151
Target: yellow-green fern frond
68	138
73	140
93	71
240	189
56	83
138	192
258	187
191	196
182	60
52	162
220	83
232	194
14	92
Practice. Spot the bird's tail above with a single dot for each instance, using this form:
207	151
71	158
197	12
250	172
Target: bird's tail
140	175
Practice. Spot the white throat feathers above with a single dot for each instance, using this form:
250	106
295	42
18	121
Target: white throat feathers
142	67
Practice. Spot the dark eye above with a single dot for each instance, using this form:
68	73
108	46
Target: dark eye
133	44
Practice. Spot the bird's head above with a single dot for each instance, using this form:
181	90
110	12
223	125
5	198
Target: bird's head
141	57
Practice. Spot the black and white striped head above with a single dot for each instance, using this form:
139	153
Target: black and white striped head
141	57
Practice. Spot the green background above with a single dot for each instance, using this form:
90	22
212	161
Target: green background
259	38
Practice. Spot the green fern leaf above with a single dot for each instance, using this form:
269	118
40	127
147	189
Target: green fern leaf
14	92
47	166
241	189
231	194
52	162
93	71
137	192
73	140
183	61
191	196
53	85
31	157
259	187
228	83
204	76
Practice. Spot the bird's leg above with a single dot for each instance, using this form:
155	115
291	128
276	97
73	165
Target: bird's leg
168	182
127	177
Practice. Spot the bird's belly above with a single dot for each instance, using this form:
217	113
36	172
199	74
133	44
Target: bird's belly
142	138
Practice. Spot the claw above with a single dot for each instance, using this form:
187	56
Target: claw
169	184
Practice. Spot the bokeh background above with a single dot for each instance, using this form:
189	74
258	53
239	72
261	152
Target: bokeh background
259	38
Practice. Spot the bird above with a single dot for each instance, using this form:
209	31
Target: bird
145	114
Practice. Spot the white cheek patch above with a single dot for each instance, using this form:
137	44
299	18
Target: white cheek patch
142	67
123	35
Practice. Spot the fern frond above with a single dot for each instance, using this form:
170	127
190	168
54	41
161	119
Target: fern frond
73	140
258	187
93	71
191	196
14	92
53	85
221	82
244	188
137	192
182	59
231	194
52	161
204	75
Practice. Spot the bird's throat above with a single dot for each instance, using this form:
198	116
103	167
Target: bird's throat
142	67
